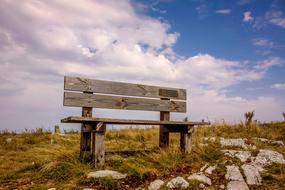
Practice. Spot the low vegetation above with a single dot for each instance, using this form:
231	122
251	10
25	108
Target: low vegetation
41	160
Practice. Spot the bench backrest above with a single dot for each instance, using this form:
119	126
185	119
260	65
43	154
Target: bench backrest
118	95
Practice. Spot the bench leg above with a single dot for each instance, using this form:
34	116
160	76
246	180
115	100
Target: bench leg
98	145
85	142
163	136
85	138
186	140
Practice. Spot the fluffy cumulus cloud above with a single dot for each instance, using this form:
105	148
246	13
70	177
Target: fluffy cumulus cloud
41	41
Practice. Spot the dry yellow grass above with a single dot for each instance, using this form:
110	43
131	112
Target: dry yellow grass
41	160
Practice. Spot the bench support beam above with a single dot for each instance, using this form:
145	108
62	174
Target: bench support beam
85	139
186	139
163	131
98	145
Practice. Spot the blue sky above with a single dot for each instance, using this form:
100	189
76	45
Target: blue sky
229	55
218	28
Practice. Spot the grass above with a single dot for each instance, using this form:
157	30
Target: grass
41	160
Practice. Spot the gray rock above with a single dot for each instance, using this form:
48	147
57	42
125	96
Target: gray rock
233	142
252	174
210	169
155	185
200	177
178	182
233	173
267	157
106	173
242	155
237	185
8	140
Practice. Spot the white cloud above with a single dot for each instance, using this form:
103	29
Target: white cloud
270	62
264	46
247	17
279	22
40	42
263	43
279	86
224	11
273	16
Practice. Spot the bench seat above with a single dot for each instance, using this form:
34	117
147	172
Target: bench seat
77	119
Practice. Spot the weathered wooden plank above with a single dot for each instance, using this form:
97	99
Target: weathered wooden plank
76	119
186	140
119	102
99	145
163	131
85	139
120	88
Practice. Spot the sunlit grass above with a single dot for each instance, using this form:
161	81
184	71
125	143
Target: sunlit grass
41	160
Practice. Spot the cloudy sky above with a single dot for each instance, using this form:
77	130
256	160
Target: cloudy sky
229	55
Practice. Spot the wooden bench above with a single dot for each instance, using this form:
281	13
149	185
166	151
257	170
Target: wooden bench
89	93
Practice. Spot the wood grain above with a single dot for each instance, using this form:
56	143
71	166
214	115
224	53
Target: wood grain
99	145
76	119
163	131
119	102
120	88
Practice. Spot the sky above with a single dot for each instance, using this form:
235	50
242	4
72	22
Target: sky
229	55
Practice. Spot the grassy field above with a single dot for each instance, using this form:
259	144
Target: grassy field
41	160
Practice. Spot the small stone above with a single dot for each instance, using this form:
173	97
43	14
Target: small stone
252	174
237	185
52	188
156	184
210	139
233	173
222	186
178	182
200	177
210	169
233	142
8	140
202	186
242	155
87	189
106	173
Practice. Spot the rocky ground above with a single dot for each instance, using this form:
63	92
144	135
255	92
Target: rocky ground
244	166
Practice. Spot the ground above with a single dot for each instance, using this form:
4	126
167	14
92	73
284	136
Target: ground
42	160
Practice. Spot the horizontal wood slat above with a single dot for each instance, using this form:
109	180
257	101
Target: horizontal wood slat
76	119
120	88
119	102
